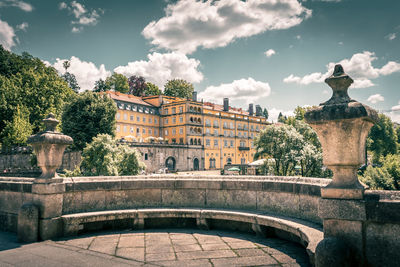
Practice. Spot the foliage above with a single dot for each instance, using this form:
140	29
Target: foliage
137	85
100	86
281	118
19	129
265	113
104	157
152	89
88	115
382	138
392	164
299	113
377	178
178	88
26	82
118	83
70	78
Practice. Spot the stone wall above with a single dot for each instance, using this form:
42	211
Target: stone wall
153	155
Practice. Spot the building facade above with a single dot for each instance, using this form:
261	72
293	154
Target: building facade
224	133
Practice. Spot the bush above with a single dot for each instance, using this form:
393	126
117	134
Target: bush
378	178
103	156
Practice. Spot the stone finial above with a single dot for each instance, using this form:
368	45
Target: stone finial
49	147
342	125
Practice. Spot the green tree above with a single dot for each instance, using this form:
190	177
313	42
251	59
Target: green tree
17	131
178	88
100	86
26	82
284	144
392	164
265	113
152	89
281	118
70	78
377	178
118	82
88	115
103	156
137	85
299	113
382	138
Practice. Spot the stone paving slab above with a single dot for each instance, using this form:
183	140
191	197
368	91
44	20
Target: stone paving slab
169	247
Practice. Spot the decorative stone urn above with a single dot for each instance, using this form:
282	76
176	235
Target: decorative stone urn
342	125
49	147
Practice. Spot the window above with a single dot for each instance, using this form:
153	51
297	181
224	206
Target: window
180	130
174	131
208	122
257	128
138	118
144	130
231	125
132	129
149	131
252	127
225	125
225	143
134	108
180	140
231	134
137	130
166	120
207	131
181	119
208	142
140	109
166	132
212	163
118	128
128	107
216	132
125	129
118	116
252	135
150	120
146	156
155	120
239	134
242	143
228	161
180	109
155	132
245	134
166	111
174	120
173	111
132	118
146	110
225	133
216	143
231	143
144	119
215	123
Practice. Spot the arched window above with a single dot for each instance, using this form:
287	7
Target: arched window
195	141
228	161
191	141
199	142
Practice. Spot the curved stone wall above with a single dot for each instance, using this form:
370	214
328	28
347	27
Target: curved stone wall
290	196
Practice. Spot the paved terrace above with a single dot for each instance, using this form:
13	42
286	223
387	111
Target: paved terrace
173	247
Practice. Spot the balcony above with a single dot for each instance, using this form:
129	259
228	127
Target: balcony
244	148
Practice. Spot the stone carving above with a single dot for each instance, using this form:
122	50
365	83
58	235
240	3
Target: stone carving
49	147
342	125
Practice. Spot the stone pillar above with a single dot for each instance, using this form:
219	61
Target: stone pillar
342	125
48	189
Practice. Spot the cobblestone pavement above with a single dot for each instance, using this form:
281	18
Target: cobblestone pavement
154	248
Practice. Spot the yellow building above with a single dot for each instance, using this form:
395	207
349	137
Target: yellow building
225	133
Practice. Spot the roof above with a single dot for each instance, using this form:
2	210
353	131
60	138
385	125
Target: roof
212	106
127	98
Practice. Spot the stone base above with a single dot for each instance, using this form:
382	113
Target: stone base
342	193
48	180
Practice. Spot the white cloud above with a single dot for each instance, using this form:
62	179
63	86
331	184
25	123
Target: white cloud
244	90
16	3
396	108
23	26
375	98
298	37
188	25
359	67
159	68
391	36
340	43
394	115
273	114
7	35
86	73
83	16
269	53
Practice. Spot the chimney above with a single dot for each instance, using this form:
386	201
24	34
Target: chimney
194	96
226	104
251	111
258	110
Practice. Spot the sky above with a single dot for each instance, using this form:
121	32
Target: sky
273	53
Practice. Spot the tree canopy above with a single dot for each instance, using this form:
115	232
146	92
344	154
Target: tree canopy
88	115
265	113
26	83
137	85
152	89
178	88
70	78
118	83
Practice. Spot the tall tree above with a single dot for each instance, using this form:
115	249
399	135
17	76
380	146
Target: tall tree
88	115
178	88
152	89
382	138
299	113
100	86
17	131
281	118
137	85
26	82
118	83
265	113
70	78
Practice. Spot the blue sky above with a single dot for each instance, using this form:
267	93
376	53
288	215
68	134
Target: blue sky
275	53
